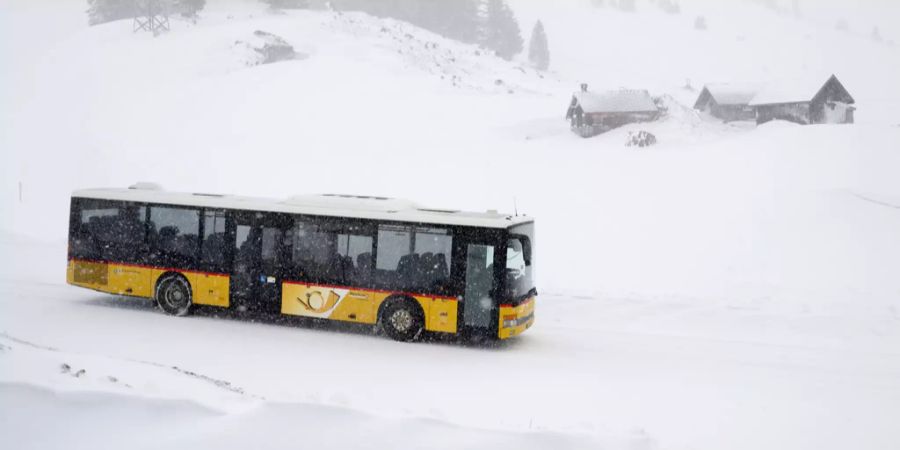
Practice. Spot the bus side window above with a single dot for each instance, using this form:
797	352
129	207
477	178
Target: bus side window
109	230
394	260
214	250
434	247
314	253
414	259
175	231
355	252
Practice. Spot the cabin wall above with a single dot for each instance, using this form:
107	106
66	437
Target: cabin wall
704	101
832	105
833	91
592	124
835	112
727	113
597	123
731	113
615	120
791	112
849	114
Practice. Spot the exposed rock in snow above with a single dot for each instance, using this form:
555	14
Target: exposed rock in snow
462	65
640	139
266	48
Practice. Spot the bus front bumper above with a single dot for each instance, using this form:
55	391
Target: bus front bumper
516	319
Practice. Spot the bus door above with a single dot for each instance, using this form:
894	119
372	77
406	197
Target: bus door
259	253
480	286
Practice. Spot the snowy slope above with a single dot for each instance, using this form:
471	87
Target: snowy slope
732	287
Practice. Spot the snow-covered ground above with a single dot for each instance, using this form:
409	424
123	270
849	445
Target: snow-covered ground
732	287
601	372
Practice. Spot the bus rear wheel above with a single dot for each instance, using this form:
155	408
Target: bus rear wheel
402	320
173	295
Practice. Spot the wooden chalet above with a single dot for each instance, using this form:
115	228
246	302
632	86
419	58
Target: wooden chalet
729	102
804	102
592	113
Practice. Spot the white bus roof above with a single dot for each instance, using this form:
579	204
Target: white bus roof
335	205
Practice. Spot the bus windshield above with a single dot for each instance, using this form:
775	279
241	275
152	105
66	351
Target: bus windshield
519	263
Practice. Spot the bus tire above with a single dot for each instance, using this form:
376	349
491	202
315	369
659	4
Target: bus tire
173	295
402	319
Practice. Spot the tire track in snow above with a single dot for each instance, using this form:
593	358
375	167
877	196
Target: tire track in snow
219	383
24	342
877	202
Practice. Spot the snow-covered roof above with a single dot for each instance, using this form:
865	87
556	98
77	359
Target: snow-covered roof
354	202
792	90
733	93
624	100
335	205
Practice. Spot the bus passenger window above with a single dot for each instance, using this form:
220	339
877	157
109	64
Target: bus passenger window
215	245
271	238
175	231
394	262
355	252
416	259
109	230
315	255
434	247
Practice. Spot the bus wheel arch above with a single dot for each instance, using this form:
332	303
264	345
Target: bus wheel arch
401	317
174	294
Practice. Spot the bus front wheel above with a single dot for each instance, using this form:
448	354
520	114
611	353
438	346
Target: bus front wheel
173	295
402	319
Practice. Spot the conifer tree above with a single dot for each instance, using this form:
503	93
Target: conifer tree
461	20
876	35
626	5
102	11
501	30
190	8
700	23
455	19
286	4
538	50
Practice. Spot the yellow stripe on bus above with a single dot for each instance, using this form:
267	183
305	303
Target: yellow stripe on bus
140	281
300	299
360	305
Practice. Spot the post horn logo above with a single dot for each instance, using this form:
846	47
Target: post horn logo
316	303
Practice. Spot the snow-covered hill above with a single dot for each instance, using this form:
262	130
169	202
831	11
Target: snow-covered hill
732	287
385	107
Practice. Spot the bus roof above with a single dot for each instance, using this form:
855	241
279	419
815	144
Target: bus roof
335	205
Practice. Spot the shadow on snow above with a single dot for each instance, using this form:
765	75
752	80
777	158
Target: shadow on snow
138	304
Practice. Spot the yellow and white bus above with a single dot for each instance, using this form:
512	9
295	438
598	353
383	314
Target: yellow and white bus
370	260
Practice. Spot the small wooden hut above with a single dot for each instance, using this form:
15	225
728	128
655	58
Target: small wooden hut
804	102
592	113
729	102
